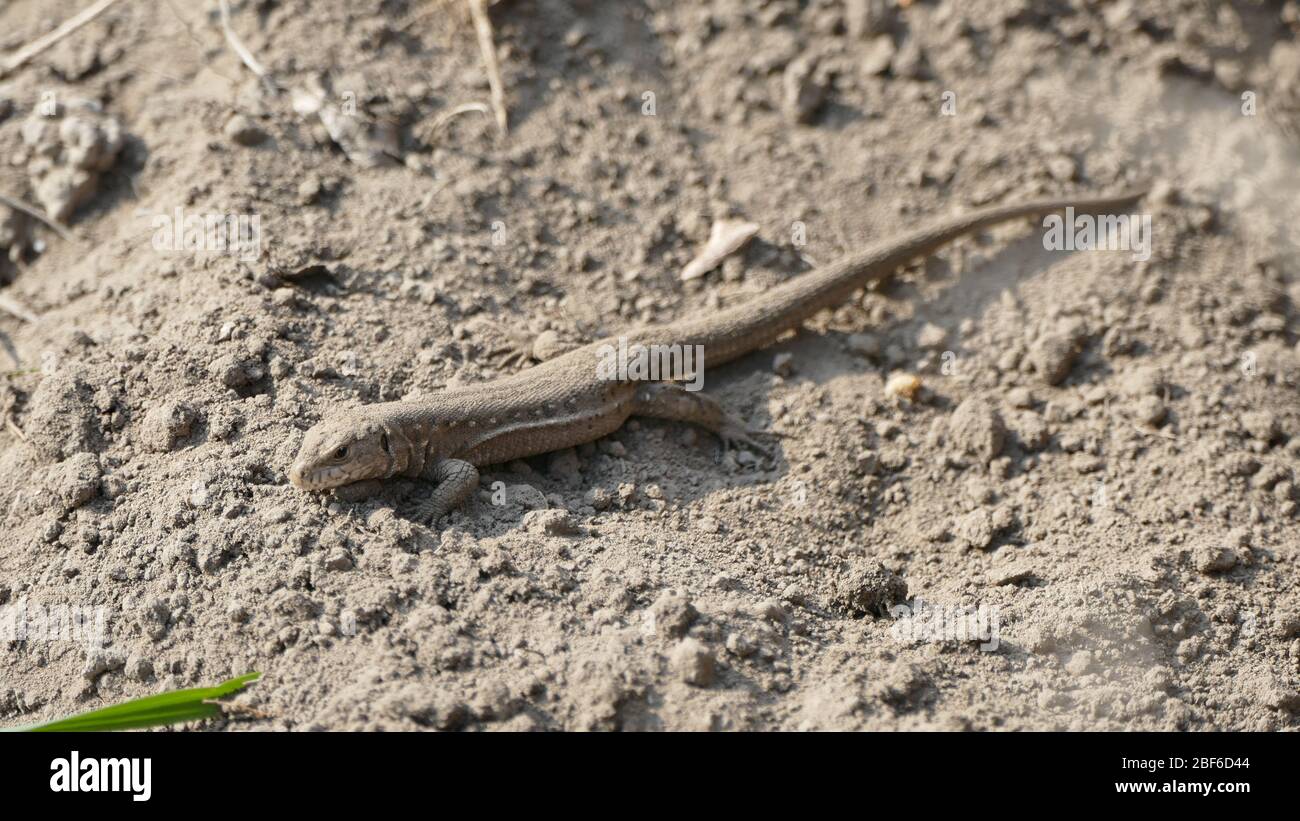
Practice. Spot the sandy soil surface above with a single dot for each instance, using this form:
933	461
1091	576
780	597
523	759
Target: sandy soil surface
1101	458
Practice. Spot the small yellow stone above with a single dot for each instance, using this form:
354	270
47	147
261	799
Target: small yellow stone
906	385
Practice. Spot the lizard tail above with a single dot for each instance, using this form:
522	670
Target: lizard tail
758	322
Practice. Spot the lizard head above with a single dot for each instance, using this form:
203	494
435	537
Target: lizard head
341	451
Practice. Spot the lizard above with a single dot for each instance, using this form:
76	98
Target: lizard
564	401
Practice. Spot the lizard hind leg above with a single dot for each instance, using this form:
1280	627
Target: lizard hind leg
454	482
666	400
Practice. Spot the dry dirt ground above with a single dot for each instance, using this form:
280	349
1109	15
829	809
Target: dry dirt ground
1102	456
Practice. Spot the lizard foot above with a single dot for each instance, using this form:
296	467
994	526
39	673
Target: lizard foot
735	435
515	352
668	400
428	514
518	349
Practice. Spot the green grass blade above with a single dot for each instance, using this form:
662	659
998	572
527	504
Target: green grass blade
150	711
92	723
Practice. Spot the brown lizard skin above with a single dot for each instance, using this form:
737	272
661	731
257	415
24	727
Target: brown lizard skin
563	402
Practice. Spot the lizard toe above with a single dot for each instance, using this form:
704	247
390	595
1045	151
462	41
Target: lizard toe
733	437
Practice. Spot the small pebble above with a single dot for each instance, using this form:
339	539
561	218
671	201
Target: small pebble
866	587
1079	663
1215	558
783	364
904	386
673	614
1149	410
694	663
241	130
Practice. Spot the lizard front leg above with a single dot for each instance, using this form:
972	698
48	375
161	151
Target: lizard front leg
454	481
666	400
519	349
357	491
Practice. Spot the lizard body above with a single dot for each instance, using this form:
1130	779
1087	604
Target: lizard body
565	402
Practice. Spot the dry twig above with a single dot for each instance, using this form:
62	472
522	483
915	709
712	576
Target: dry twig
447	116
27	52
13	427
12	306
36	214
242	50
483	25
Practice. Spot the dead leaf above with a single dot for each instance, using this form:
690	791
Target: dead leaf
725	238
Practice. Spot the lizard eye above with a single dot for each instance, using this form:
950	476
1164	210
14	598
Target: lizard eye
341	453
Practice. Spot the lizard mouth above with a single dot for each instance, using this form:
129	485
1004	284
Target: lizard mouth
317	478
